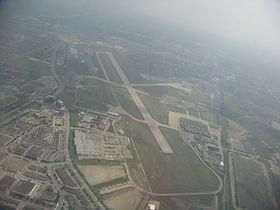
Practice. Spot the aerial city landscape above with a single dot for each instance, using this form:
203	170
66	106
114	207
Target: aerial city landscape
101	109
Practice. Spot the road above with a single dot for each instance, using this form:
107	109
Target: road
183	135
153	125
59	82
60	88
102	67
68	159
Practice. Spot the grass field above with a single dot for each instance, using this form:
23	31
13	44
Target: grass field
110	69
182	171
33	69
68	96
72	65
32	87
95	95
95	98
253	191
126	102
189	202
6	99
156	109
72	147
123	200
159	91
178	172
144	140
261	148
98	95
215	149
74	117
105	173
129	70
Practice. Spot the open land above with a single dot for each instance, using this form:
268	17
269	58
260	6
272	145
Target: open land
126	200
175	179
96	174
6	99
156	109
188	114
110	68
152	125
252	185
169	89
13	164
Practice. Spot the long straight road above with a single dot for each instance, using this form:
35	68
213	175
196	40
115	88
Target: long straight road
153	125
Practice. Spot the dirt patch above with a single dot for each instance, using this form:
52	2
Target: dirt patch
13	164
235	131
96	174
124	200
275	125
237	135
174	101
275	168
185	87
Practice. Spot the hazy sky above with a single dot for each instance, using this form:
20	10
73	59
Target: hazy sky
254	21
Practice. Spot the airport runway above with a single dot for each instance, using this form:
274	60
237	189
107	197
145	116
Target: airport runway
153	125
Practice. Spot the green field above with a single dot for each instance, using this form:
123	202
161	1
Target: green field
261	148
32	87
168	203
110	69
215	149
74	117
178	172
156	109
96	97
144	140
252	185
32	70
68	96
159	91
183	171
72	65
129	70
126	102
6	99
71	146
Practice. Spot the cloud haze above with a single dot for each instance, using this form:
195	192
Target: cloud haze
253	21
